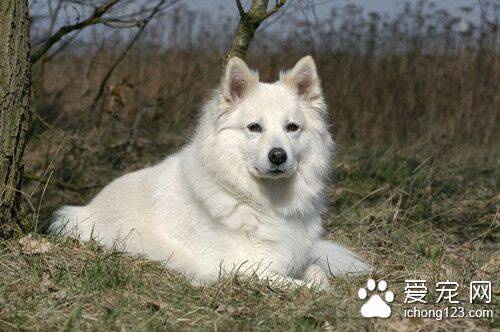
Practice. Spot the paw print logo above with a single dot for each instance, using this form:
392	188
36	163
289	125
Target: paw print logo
376	306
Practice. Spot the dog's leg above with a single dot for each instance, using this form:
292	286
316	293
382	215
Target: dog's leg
337	260
286	282
316	276
171	252
313	277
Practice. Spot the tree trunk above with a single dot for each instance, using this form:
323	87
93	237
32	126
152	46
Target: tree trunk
248	24
15	96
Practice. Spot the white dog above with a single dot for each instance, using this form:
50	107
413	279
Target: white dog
245	195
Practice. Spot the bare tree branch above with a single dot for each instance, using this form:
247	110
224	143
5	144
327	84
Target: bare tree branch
122	56
61	47
279	4
53	15
122	24
240	8
95	18
248	24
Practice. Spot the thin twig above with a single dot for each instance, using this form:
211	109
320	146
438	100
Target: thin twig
240	8
62	47
95	18
53	15
276	8
121	57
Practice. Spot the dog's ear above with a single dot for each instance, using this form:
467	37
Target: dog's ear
303	78
238	80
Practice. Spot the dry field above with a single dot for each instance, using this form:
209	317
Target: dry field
416	116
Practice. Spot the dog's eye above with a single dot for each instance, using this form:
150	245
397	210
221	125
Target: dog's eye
292	127
254	127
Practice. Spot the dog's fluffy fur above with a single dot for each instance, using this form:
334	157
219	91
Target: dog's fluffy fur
220	204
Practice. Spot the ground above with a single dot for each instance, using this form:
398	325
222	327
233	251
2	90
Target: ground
414	106
429	215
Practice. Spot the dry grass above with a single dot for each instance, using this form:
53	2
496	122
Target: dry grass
419	217
416	113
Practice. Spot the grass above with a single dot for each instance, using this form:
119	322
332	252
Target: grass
419	199
430	216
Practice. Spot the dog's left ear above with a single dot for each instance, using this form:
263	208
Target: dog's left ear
303	78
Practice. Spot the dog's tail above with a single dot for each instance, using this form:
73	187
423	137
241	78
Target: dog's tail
72	221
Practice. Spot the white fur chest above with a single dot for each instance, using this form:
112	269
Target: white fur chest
266	243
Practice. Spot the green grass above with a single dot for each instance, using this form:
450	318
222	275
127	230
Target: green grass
428	216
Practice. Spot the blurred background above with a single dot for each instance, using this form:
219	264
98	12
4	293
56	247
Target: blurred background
412	77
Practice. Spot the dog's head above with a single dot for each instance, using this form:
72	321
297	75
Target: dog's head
270	127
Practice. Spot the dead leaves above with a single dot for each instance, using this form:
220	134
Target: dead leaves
33	246
155	305
231	311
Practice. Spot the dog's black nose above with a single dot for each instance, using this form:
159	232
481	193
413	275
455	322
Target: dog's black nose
277	156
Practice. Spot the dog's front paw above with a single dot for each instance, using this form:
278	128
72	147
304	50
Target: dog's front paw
316	277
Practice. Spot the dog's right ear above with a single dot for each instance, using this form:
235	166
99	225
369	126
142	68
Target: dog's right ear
238	80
